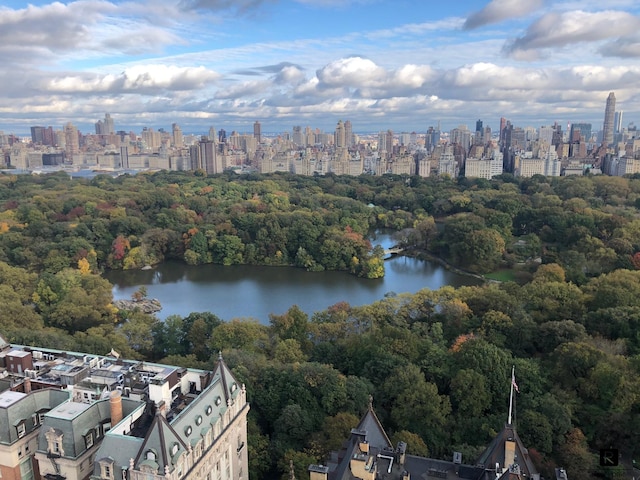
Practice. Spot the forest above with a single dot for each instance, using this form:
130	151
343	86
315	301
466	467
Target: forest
437	363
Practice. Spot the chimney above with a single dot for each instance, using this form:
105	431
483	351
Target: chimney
115	402
161	409
318	472
27	385
401	451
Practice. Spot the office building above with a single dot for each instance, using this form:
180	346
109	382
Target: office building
618	121
74	416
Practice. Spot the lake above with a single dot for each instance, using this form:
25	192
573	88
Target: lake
242	291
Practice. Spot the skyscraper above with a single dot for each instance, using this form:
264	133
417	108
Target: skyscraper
257	132
37	135
340	137
109	128
618	122
609	117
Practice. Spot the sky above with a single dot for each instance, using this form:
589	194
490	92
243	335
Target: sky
403	65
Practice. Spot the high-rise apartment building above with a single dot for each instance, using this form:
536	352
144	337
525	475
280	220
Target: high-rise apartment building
297	137
109	128
609	120
151	139
71	140
176	132
348	133
212	134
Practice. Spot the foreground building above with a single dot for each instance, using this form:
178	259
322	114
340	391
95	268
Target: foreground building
76	416
368	454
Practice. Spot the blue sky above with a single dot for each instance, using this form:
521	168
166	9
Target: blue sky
401	64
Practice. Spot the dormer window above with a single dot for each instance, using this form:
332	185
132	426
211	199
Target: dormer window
218	401
198	420
188	430
106	468
88	440
151	455
234	387
21	428
174	448
54	442
208	410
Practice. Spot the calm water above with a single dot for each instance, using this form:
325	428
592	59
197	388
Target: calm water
242	291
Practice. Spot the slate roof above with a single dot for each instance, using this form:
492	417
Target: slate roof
167	438
16	406
389	466
495	452
165	443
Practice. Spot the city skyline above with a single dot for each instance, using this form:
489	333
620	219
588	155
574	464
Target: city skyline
382	65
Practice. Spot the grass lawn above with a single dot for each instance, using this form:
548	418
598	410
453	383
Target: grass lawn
502	275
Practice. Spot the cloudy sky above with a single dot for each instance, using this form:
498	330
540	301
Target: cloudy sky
398	64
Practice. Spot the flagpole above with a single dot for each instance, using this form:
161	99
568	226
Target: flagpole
513	374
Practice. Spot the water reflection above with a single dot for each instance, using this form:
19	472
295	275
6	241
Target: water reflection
241	291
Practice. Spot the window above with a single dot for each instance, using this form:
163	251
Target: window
35	418
208	410
21	429
234	387
151	455
54	442
218	401
106	468
188	430
88	440
198	420
174	448
26	470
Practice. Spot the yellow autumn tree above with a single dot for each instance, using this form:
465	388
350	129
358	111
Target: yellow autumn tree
84	266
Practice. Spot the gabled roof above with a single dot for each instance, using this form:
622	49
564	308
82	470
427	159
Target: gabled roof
229	383
161	440
375	434
496	453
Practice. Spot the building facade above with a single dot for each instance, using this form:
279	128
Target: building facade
76	416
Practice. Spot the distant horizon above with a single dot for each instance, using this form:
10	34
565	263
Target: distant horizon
383	64
90	129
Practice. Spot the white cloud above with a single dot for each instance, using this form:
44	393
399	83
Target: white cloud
497	11
139	79
561	29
